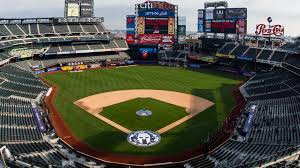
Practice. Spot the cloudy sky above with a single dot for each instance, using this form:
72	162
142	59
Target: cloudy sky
285	12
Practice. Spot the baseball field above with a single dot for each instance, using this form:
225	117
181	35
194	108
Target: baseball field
98	134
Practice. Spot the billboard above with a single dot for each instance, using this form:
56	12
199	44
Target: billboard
171	25
148	50
219	14
201	14
207	26
149	5
200	25
156	39
130	29
141	25
223	26
236	13
223	20
86	10
156	25
130	24
181	30
276	30
241	26
156	13
156	22
73	10
209	14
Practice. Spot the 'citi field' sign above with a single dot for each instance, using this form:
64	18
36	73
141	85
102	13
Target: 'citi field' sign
156	5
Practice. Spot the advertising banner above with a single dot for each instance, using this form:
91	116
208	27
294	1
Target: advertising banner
67	68
171	25
130	20
223	26
130	24
130	38
276	30
38	72
149	5
200	14
156	26
39	120
208	26
236	13
148	50
53	69
181	30
141	25
241	26
156	13
73	10
156	39
200	26
86	10
209	14
219	14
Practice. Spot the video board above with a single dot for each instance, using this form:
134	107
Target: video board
73	10
223	20
86	10
130	29
156	22
156	26
79	8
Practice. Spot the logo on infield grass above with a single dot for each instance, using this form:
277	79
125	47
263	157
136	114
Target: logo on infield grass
143	138
144	113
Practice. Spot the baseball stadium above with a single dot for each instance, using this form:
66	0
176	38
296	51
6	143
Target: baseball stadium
75	94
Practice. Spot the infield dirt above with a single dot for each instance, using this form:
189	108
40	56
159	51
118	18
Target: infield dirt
94	104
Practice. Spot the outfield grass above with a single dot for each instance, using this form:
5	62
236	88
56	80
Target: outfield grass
163	114
214	86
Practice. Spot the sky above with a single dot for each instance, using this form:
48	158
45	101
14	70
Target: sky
284	12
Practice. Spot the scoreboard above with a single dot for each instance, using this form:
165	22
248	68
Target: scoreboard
224	20
155	23
156	26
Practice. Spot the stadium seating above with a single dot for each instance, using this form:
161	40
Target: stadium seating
293	59
49	28
274	132
15	30
62	29
24	28
239	50
94	46
265	54
34	29
250	54
278	56
121	43
227	48
4	56
4	31
79	46
20	89
89	28
75	28
54	48
18	129
46	29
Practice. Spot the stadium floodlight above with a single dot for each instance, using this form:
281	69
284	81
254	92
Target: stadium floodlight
5	154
